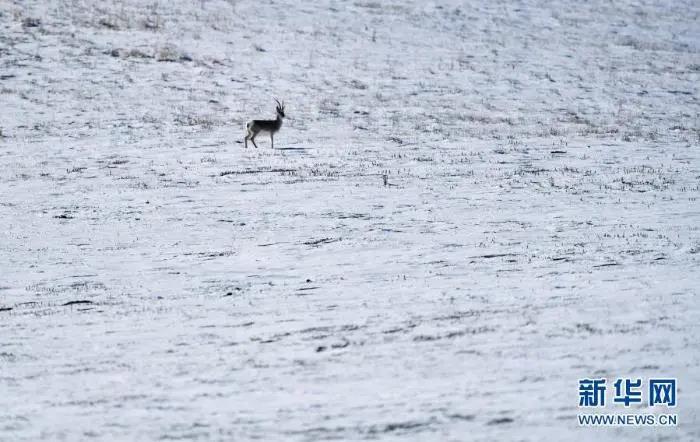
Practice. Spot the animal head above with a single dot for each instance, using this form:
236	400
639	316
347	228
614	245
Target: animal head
280	108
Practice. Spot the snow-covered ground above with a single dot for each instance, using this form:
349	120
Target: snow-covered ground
539	222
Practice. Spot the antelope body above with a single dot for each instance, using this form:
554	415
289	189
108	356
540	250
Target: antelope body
254	127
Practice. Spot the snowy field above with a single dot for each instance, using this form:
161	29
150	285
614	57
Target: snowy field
471	206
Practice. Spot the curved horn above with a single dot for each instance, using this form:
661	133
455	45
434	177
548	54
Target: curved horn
278	102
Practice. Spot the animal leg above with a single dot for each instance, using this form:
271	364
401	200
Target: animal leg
247	136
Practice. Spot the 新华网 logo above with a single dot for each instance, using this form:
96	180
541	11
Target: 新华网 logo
657	394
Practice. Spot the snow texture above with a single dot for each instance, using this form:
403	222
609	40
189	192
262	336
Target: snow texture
470	206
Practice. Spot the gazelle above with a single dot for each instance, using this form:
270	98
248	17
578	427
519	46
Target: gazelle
254	127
